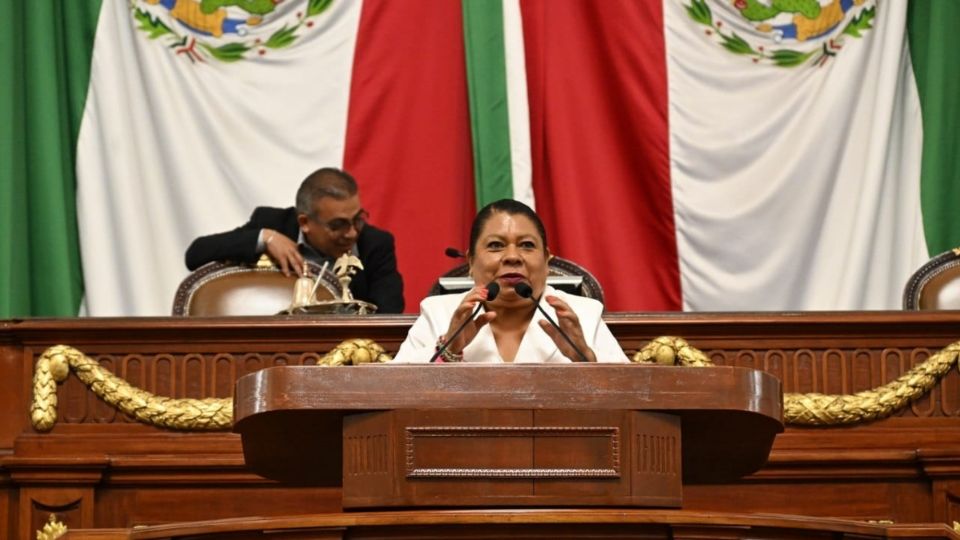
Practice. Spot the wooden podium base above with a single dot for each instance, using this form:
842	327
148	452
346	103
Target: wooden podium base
484	457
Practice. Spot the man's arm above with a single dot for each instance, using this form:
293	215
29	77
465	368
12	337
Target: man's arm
385	282
239	245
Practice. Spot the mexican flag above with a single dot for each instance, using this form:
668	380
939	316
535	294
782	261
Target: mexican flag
702	155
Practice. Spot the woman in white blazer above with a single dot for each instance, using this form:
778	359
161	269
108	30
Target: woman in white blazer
508	247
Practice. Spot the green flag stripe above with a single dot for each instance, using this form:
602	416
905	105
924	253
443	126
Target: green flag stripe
934	42
51	45
487	86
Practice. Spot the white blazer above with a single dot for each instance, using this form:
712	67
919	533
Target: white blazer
535	347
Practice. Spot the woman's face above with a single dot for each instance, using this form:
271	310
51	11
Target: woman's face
509	250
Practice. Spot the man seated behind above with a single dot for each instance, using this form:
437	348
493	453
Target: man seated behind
327	222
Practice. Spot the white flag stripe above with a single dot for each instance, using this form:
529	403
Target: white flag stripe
517	104
794	188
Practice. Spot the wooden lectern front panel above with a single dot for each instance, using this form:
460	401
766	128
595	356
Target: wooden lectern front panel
511	457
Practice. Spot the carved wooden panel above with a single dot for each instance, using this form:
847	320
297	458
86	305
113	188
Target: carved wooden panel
72	506
202	375
367	454
7	497
835	354
949	512
848	371
604	443
176	375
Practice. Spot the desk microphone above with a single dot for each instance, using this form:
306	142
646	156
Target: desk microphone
524	290
454	253
493	289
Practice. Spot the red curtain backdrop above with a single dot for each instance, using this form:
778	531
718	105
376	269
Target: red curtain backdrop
408	133
596	74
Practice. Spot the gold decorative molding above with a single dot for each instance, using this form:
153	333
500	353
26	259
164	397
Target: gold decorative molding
671	351
52	529
210	414
213	414
355	351
55	364
814	409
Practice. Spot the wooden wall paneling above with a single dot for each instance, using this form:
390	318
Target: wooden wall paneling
143	504
63	487
73	506
883	499
943	468
14	387
8	497
947	501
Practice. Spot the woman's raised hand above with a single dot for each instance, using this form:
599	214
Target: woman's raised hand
567	319
462	314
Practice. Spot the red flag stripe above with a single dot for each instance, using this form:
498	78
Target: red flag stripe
408	133
596	75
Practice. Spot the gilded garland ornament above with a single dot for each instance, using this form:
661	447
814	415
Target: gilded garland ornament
211	414
814	409
671	351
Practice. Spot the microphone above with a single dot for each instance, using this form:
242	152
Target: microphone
455	253
493	289
524	290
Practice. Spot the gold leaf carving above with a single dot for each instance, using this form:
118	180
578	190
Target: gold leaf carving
814	409
210	414
52	529
671	351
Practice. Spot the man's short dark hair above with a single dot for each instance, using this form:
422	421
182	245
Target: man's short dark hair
325	182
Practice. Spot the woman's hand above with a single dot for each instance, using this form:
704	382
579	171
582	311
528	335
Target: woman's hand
567	319
462	315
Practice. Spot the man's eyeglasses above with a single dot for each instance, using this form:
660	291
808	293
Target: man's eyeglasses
342	225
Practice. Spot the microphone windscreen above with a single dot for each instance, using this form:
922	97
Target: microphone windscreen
523	289
453	253
493	289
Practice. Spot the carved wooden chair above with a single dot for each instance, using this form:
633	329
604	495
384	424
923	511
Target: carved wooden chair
936	285
221	288
563	274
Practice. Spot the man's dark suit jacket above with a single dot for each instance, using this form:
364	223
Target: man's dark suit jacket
378	282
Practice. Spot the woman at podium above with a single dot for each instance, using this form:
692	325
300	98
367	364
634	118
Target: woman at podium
511	314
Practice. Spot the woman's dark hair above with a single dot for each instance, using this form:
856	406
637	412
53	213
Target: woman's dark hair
509	207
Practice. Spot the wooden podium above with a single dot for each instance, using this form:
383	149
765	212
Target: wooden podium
459	435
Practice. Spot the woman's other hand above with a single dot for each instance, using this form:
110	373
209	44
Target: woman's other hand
462	314
568	321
